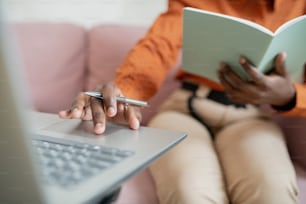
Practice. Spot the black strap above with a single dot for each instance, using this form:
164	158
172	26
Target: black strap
189	86
221	97
214	95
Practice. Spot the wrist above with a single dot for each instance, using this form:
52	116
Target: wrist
287	106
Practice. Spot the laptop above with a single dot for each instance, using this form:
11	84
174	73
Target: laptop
45	159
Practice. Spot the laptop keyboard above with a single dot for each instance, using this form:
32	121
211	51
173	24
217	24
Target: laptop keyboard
67	165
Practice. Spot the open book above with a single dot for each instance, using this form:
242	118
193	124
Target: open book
210	38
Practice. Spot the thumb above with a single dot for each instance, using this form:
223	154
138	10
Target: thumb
280	65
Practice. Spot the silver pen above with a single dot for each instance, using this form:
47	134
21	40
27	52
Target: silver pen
120	99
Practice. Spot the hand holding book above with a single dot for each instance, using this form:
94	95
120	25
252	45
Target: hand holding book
275	88
209	38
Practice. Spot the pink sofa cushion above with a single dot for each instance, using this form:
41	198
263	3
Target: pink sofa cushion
140	189
108	46
54	60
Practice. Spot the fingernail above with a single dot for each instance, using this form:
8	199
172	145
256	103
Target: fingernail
242	60
76	112
135	124
222	65
111	111
121	107
99	128
62	114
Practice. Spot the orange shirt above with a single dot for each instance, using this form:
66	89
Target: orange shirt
148	63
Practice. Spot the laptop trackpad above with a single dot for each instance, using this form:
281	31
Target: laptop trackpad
82	131
81	128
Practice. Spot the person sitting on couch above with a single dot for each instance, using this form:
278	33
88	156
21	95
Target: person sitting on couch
234	152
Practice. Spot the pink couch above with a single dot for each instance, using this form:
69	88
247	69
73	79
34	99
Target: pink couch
63	59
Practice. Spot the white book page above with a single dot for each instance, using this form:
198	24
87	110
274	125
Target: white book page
289	23
240	20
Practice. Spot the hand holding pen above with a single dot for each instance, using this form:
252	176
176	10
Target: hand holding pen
110	106
121	99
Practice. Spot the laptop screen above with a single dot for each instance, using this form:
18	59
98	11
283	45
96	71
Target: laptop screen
17	174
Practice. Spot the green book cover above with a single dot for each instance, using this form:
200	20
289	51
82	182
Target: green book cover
210	38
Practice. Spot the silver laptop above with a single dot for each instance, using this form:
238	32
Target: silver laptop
45	159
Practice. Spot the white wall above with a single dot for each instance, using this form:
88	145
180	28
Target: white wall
86	12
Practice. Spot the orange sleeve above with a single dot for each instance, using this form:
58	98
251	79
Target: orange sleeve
300	107
148	63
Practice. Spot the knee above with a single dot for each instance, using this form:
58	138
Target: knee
177	121
174	195
185	187
187	194
264	189
169	120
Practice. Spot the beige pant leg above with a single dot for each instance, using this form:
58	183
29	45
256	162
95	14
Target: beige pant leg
256	163
190	173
